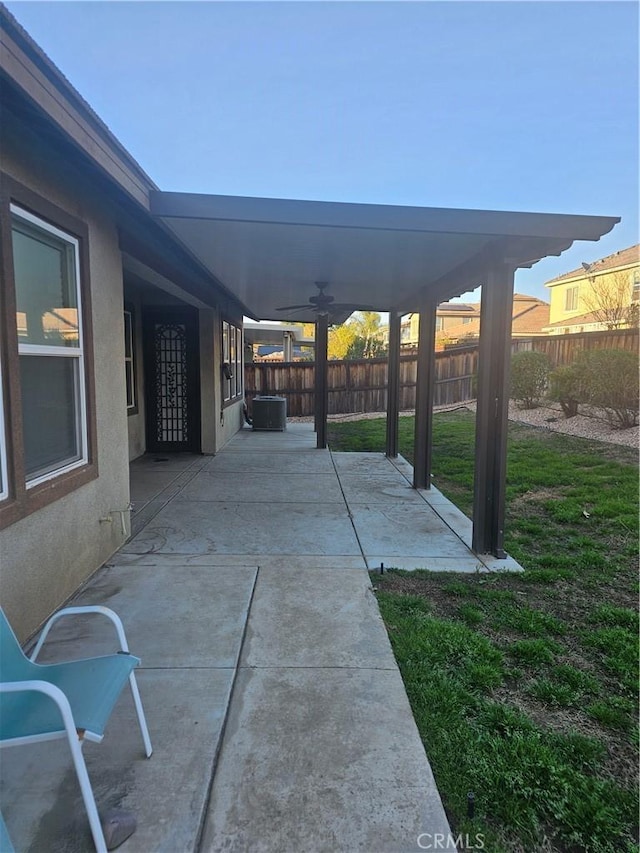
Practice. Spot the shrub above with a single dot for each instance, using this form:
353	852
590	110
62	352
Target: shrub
566	388
609	380
529	377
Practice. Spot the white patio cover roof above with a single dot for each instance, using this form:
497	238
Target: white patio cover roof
270	252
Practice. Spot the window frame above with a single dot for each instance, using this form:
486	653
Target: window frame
22	497
574	292
133	408
233	388
76	352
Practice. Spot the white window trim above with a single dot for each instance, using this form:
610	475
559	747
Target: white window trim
233	389
131	360
62	352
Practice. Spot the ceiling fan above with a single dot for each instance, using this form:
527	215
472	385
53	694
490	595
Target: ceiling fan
323	303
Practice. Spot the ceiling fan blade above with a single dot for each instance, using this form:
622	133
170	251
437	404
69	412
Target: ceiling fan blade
292	307
350	306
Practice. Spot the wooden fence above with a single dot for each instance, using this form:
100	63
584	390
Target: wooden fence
361	385
563	349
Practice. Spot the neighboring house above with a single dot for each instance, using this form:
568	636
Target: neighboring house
459	321
277	342
112	337
596	296
448	315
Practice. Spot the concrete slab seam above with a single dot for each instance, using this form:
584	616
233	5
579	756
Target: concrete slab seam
346	503
214	763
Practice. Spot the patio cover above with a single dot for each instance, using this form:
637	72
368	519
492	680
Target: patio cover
270	252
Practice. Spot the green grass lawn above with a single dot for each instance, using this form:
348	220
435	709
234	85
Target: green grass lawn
525	686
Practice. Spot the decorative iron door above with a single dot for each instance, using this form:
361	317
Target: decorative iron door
171	380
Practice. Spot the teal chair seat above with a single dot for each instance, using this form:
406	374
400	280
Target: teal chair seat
92	687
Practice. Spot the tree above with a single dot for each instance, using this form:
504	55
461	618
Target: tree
608	298
359	337
366	348
368	342
366	324
340	339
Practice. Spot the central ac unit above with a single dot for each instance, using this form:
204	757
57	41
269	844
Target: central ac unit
270	413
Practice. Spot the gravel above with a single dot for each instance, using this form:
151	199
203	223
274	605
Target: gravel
592	424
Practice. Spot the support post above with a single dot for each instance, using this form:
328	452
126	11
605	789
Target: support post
494	360
425	387
287	346
393	385
322	399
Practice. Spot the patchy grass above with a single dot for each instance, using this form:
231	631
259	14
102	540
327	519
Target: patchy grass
525	686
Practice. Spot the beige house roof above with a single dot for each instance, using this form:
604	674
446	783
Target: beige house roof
530	318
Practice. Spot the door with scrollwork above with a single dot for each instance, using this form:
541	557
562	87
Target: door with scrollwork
171	380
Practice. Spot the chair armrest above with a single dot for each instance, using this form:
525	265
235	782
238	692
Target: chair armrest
79	611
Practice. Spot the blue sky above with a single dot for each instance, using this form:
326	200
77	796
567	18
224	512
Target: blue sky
496	105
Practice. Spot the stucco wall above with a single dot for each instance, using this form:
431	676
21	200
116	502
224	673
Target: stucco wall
47	555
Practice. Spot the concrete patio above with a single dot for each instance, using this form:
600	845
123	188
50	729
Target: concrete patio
277	712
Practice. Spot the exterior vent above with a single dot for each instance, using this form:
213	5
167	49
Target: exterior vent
270	413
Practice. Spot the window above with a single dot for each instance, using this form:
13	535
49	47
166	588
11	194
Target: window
129	362
46	268
635	286
232	384
571	299
46	399
239	371
466	320
439	324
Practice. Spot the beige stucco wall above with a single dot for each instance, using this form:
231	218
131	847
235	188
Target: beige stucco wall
47	555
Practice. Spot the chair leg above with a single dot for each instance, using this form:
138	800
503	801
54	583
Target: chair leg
141	717
87	794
